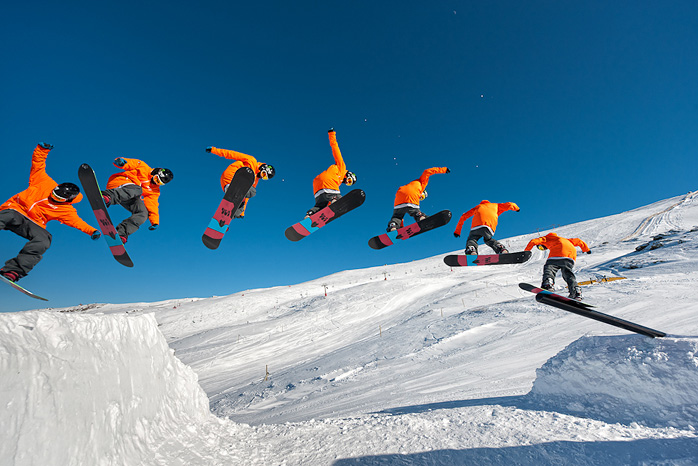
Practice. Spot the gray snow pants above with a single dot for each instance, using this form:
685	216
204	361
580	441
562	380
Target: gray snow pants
399	214
129	197
322	201
486	235
553	265
32	252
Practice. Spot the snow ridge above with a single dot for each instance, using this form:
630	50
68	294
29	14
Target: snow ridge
624	379
93	390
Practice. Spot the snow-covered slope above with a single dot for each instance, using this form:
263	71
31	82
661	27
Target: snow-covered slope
410	363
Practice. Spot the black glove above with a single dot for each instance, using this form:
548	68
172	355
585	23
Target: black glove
152	227
46	146
457	235
96	235
448	170
208	149
331	130
589	251
120	162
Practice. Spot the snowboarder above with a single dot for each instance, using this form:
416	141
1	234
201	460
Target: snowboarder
27	213
326	184
408	197
485	216
136	189
562	257
262	171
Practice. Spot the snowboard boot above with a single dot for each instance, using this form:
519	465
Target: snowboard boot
107	200
576	293
392	226
10	275
501	249
548	285
471	251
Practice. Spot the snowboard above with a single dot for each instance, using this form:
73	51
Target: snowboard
319	219
585	310
433	221
232	199
462	260
94	196
23	290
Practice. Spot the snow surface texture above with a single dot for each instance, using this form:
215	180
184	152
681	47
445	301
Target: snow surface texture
624	379
80	389
410	363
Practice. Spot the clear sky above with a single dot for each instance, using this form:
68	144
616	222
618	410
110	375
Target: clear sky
573	110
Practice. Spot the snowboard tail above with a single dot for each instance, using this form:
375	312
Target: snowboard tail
232	199
22	290
463	260
319	219
434	221
88	179
584	310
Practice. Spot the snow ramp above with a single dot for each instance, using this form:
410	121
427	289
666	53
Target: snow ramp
97	390
625	379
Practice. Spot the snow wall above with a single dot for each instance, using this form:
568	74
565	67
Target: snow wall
623	379
97	390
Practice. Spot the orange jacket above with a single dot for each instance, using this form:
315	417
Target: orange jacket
410	193
330	179
138	172
486	214
34	204
560	248
243	160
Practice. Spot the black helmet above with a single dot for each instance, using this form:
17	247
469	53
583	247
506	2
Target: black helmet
65	192
266	171
349	178
162	175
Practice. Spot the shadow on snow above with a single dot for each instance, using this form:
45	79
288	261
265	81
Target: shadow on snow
635	452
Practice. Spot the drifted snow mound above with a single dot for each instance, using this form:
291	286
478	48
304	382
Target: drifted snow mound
623	379
105	389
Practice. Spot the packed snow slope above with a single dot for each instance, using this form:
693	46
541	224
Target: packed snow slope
413	363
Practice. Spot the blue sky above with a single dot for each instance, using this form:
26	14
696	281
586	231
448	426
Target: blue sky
573	110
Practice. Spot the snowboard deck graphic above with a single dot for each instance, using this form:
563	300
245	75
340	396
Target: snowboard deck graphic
584	310
437	220
90	186
22	290
319	219
232	199
463	260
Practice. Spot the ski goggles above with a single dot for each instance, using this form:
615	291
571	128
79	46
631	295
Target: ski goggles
349	178
158	181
